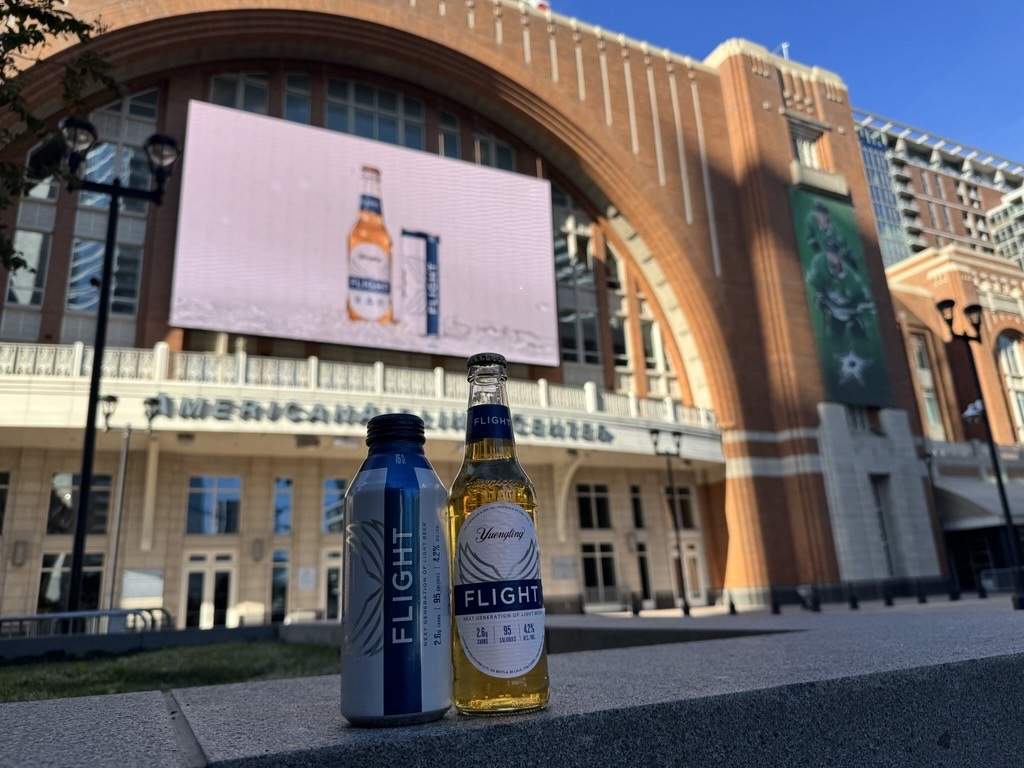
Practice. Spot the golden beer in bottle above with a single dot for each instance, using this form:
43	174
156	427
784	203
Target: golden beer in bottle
369	257
500	665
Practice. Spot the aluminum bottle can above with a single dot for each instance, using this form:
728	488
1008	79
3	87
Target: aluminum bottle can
396	604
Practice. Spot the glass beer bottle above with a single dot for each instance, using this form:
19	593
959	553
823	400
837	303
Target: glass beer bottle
369	256
498	655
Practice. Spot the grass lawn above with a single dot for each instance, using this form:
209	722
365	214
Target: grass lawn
166	668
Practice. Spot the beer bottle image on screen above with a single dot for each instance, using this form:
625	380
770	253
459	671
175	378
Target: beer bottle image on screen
498	656
369	256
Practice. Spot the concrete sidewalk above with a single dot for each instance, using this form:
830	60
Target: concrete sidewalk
935	685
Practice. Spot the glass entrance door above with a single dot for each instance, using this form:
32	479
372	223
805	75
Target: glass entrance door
332	585
209	590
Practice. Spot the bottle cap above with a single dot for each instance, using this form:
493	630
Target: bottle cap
486	358
395	426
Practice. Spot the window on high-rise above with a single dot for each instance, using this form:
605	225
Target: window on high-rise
926	185
926	381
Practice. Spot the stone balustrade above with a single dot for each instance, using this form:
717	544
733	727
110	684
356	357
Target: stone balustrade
160	364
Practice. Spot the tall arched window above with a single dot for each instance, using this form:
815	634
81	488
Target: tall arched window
1011	365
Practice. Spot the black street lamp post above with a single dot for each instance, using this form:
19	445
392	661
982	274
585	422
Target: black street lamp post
973	314
77	137
675	511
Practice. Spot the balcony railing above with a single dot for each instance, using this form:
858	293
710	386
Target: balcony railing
240	369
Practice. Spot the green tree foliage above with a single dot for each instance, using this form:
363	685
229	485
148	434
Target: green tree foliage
27	28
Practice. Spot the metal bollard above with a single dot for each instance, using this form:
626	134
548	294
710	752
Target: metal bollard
815	599
887	594
922	597
851	596
774	599
635	603
954	590
982	592
732	606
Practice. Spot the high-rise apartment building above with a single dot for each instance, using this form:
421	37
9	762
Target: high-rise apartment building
930	191
1006	222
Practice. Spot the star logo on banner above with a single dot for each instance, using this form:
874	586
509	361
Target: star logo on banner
852	367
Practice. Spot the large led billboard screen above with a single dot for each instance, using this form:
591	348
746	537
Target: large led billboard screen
296	232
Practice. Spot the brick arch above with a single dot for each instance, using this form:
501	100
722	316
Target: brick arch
144	39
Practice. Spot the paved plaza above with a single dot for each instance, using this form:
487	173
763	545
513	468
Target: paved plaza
935	684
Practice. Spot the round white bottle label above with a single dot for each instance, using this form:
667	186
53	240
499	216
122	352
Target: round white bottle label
369	281
499	604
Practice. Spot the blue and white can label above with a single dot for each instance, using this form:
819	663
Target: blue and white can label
499	603
396	649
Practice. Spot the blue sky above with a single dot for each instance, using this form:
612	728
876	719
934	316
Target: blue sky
952	67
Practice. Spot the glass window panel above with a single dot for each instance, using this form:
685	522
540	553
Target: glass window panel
127	266
144	104
297	83
505	157
387	129
450	145
194	600
567	335
223	89
608	570
99	167
387	101
583	505
620	352
364	124
86	265
333	593
279	593
364	94
26	284
413	107
221	596
53	590
5	481
337	117
283	505
338	89
229	482
333	510
588	324
603	516
413	136
254	97
590	572
647	334
297	107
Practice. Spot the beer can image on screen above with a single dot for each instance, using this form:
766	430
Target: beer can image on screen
396	605
419	282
